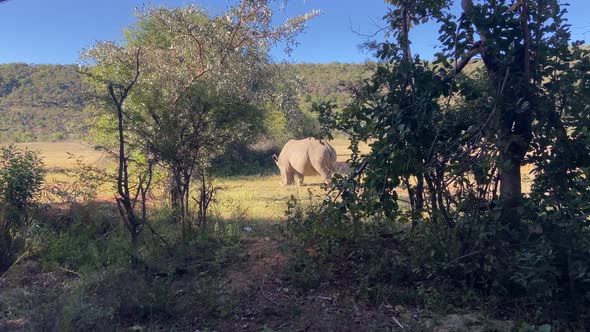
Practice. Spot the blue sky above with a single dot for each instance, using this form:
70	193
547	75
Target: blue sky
42	31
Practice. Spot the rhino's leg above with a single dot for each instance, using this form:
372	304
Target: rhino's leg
324	172
290	177
325	176
300	178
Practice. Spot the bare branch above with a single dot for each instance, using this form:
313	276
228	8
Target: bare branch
475	49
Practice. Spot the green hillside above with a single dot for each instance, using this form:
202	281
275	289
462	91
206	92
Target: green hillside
330	81
40	102
46	102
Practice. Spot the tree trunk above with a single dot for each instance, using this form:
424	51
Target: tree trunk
174	197
510	180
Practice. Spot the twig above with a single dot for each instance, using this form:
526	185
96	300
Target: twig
477	252
156	233
397	322
260	285
464	256
70	271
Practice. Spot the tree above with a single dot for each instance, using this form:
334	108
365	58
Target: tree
203	85
508	88
432	123
116	78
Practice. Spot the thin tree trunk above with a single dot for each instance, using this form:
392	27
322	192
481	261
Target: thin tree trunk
419	193
510	179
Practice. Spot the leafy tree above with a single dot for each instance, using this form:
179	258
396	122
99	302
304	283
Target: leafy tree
431	123
202	84
508	88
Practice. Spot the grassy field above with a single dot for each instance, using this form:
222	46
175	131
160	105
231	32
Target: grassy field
61	156
248	197
251	197
58	155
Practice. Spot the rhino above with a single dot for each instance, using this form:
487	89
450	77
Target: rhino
307	156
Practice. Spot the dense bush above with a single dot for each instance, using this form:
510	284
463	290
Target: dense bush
449	140
88	243
21	177
441	268
242	159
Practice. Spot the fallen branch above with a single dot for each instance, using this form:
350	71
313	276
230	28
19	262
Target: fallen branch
261	286
70	271
397	322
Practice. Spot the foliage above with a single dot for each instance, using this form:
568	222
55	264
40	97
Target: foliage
240	159
176	280
334	82
49	102
454	141
195	85
82	185
85	240
21	177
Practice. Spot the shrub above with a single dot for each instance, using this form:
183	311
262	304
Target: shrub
242	159
21	177
85	239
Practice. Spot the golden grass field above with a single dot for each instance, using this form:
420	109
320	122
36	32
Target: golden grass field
60	156
251	197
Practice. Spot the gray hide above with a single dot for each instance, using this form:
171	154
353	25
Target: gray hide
307	156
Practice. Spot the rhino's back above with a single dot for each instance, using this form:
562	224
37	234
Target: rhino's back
308	154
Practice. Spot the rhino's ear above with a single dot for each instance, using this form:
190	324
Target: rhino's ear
275	158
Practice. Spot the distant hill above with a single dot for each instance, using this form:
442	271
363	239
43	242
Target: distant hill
330	81
40	102
46	102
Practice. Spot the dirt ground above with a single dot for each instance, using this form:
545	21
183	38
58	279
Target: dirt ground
262	300
271	305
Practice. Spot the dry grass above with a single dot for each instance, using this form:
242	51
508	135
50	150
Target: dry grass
249	197
342	148
61	156
56	154
261	197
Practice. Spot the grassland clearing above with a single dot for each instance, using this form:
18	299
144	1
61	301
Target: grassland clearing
253	197
248	197
58	155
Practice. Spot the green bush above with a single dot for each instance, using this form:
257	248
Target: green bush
470	265
241	159
85	239
87	250
173	279
21	177
114	297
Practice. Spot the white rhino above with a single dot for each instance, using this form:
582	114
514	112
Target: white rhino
307	156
